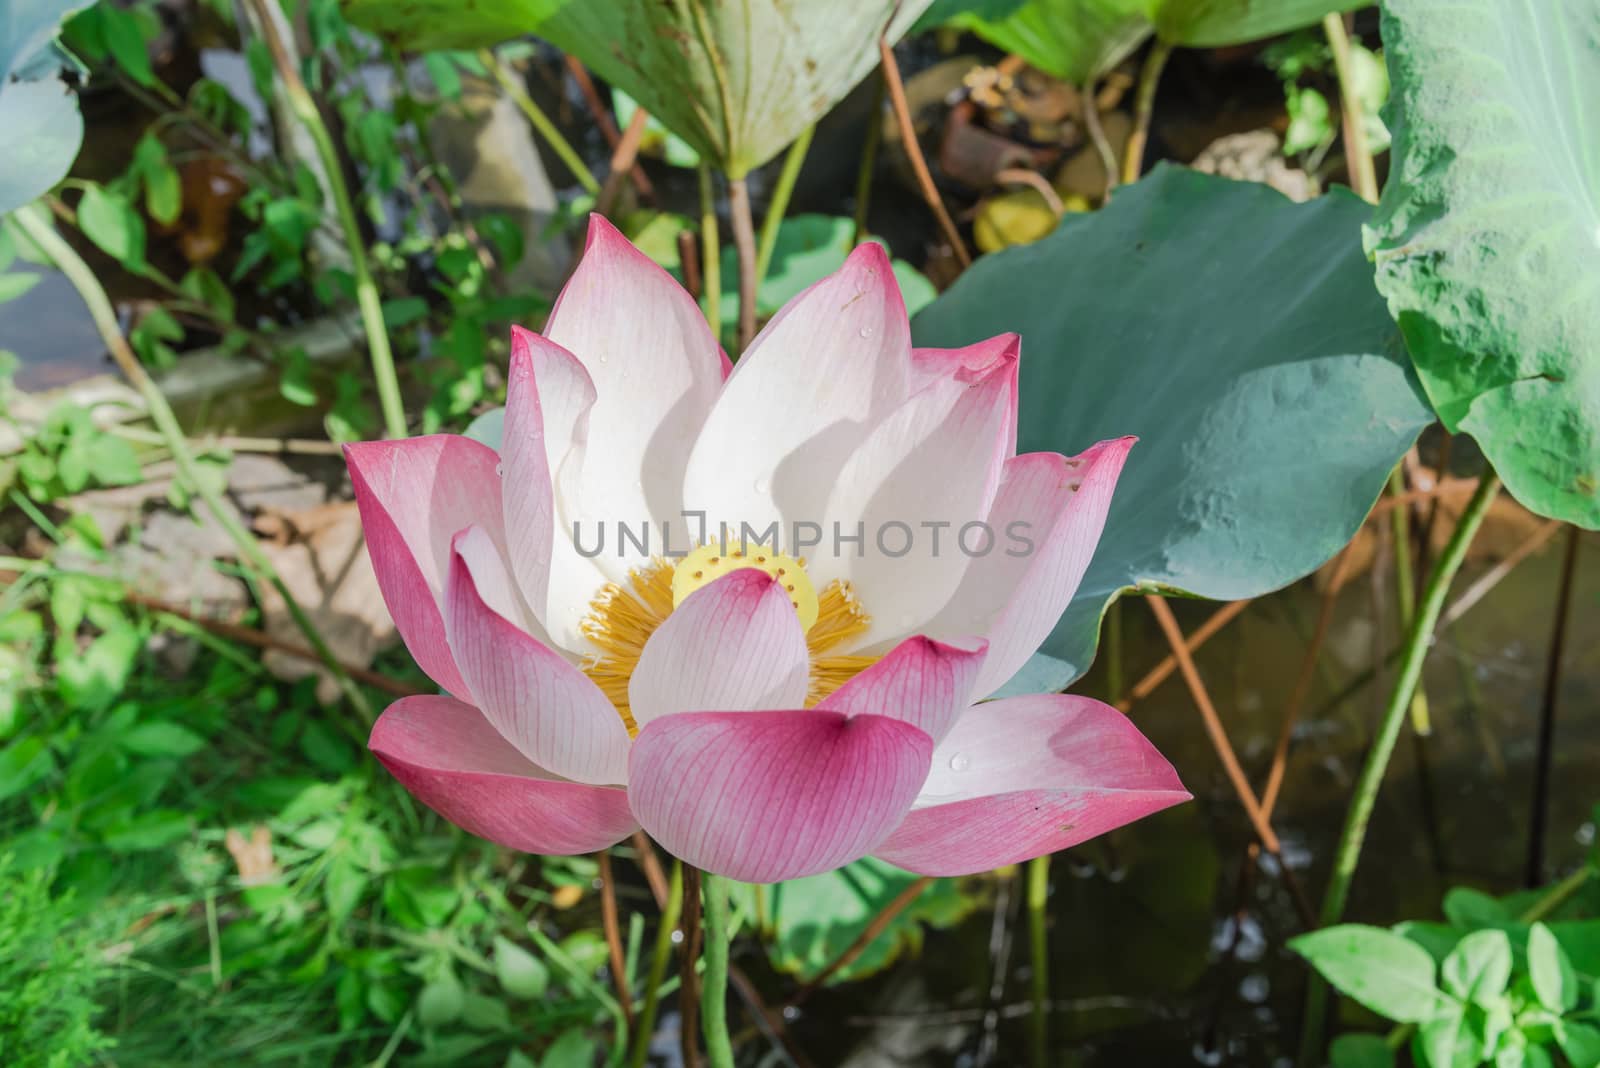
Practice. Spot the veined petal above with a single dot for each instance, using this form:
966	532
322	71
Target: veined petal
1047	518
1025	776
656	369
917	490
922	682
413	496
824	371
540	703
735	644
449	757
548	399
765	796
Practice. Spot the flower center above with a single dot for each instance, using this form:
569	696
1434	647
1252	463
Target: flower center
622	617
710	562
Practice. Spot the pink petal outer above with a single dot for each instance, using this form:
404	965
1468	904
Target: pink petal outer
765	796
922	682
413	496
734	644
656	369
973	362
915	488
448	756
1025	776
541	704
548	398
1015	600
827	368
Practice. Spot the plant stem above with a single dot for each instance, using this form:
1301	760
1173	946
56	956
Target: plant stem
714	992
105	320
1405	583
1415	651
1144	108
611	924
710	252
512	86
659	960
744	242
1115	681
1363	173
305	109
908	136
1097	135
869	163
1547	712
1038	898
779	205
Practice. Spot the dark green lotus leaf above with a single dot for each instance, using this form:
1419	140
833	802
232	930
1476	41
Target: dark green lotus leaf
38	112
1075	40
1239	336
426	25
1487	240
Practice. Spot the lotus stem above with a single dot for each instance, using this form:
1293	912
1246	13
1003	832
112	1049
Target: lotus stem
659	960
563	149
908	135
869	164
778	207
1144	107
1415	651
744	242
1038	899
105	321
305	109
1405	583
710	252
1363	173
714	990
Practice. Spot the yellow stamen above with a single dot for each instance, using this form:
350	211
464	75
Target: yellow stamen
710	562
623	616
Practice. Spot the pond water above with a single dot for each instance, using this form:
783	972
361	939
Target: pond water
1165	947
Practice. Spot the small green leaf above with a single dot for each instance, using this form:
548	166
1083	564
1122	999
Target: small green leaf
404	311
295	380
111	461
521	973
1554	981
1360	1051
440	1002
120	33
108	220
1580	1042
15	283
574	1049
1450	1040
1479	968
343	888
160	739
1465	907
1389	974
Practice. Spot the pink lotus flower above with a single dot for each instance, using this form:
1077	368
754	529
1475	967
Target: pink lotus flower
762	716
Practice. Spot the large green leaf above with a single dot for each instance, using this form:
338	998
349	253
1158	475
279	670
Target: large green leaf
38	112
1072	39
738	82
1214	23
1389	974
1238	335
1488	236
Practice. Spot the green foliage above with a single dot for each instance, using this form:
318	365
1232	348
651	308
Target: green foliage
50	965
1487	234
1487	988
68	454
1131	325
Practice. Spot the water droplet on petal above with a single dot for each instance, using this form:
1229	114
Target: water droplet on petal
960	762
866	331
499	470
763	485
